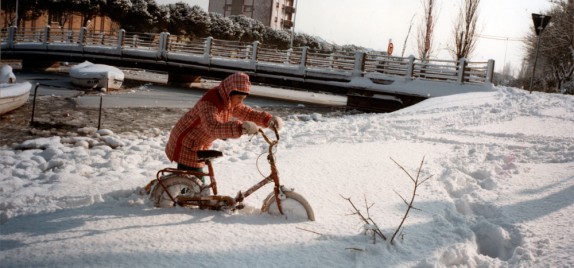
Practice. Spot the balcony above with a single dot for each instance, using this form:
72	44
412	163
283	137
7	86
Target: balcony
287	24
289	9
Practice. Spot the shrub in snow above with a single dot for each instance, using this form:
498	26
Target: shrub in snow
370	226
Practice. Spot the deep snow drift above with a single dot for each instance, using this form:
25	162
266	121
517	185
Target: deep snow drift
502	192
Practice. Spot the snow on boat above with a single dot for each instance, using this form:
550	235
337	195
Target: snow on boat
13	95
6	74
92	75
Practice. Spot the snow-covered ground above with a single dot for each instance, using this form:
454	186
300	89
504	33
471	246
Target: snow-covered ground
501	192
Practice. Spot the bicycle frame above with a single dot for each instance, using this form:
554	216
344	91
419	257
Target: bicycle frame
201	200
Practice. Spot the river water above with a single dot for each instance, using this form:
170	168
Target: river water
147	90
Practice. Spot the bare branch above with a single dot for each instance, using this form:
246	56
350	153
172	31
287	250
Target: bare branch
410	204
366	220
423	181
309	231
404	200
408	174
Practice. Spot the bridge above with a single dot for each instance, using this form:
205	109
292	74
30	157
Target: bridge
372	81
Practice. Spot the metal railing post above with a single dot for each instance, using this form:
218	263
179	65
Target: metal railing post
254	55
489	71
303	63
82	38
359	63
163	44
47	34
207	48
410	68
121	36
461	66
11	36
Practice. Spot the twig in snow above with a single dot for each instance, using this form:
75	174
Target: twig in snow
410	203
367	220
308	231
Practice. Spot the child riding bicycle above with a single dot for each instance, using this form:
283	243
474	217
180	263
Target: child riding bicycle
219	114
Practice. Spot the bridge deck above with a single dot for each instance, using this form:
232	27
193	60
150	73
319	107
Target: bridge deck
356	74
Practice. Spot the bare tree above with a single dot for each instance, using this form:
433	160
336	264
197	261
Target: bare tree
426	30
465	30
407	37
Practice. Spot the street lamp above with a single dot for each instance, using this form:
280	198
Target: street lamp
540	22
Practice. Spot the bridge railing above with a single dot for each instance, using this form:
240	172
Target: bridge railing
376	62
461	71
105	38
147	41
338	61
196	46
32	35
62	35
161	46
231	49
274	55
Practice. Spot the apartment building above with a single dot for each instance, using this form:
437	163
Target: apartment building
277	14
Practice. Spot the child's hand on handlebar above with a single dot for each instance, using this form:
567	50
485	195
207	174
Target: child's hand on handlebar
276	122
249	128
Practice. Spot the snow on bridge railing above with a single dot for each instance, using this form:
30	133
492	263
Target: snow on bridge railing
339	60
162	45
184	45
148	41
279	56
231	49
382	63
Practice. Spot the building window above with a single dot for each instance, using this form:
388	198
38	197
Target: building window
227	10
248	11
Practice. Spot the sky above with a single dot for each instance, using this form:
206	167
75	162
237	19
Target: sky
500	191
372	23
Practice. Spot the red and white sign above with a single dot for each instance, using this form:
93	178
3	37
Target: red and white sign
390	48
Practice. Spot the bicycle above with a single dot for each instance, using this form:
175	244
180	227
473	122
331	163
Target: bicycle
183	188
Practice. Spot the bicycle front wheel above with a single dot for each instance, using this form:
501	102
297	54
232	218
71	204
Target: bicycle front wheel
176	185
294	206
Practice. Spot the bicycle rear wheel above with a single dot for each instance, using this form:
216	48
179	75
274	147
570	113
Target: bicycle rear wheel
294	206
176	185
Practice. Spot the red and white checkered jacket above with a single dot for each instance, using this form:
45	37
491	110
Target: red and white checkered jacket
210	119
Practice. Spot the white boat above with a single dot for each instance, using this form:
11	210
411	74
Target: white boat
13	95
92	75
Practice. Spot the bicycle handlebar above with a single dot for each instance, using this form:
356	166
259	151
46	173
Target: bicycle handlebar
267	139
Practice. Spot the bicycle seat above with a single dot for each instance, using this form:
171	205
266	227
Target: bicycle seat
208	155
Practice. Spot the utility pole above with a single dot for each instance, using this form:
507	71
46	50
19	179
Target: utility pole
16	24
540	22
293	27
